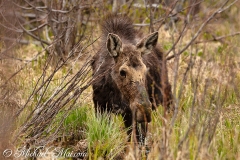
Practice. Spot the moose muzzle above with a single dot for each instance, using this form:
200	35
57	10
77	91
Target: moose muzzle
141	106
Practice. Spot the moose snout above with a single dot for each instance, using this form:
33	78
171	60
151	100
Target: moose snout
142	111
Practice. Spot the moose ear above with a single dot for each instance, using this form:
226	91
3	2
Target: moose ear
114	45
148	43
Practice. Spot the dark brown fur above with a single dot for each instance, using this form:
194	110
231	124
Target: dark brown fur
128	81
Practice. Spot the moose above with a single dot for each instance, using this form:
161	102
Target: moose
130	74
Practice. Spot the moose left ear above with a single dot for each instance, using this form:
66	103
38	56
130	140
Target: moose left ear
114	45
148	43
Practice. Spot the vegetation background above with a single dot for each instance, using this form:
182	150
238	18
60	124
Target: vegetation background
45	78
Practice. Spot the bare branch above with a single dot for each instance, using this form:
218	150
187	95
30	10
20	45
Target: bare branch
219	38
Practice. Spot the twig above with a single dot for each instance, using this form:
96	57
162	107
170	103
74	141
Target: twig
21	41
32	35
219	38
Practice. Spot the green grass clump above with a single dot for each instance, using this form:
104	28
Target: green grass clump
105	137
76	121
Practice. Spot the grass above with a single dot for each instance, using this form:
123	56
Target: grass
75	123
103	133
105	136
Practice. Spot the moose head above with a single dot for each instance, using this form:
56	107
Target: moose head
130	72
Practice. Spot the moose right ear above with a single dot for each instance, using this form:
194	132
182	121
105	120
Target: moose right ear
148	43
114	45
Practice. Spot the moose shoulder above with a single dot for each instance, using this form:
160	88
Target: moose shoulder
130	74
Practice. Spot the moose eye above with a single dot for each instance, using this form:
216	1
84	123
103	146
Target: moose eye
123	73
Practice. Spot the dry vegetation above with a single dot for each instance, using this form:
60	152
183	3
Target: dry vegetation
45	79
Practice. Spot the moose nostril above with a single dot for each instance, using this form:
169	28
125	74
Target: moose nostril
123	73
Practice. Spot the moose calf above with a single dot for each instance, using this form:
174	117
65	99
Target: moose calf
130	74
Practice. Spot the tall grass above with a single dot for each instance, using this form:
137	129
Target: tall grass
105	135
